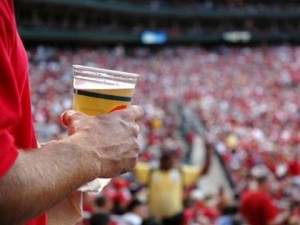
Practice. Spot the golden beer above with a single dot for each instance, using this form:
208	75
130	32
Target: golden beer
99	101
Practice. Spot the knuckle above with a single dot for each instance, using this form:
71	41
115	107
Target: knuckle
140	111
136	147
133	163
135	130
125	116
74	115
137	111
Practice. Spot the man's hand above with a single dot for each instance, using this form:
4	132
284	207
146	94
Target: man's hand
108	142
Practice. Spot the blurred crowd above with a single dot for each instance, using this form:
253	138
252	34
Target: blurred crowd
216	4
222	16
244	101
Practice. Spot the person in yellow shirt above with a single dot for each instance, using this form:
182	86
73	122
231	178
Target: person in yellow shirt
166	184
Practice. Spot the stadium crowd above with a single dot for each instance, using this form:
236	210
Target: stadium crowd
216	5
223	17
244	101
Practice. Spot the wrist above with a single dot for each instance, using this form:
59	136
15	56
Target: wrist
82	157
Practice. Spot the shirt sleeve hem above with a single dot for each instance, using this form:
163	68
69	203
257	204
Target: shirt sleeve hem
8	161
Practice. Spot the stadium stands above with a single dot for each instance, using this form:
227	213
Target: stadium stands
245	98
202	22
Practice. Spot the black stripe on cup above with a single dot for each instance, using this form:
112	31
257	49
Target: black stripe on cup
103	96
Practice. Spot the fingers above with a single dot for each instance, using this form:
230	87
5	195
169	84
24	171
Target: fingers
72	119
137	130
46	143
129	118
67	116
130	166
133	112
137	112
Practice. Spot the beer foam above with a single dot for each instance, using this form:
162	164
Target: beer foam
80	84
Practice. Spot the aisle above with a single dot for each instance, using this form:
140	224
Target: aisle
216	176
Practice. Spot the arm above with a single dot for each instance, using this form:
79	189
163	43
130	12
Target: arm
280	218
208	157
40	179
142	173
273	214
193	173
103	146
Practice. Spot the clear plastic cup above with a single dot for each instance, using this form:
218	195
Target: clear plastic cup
98	91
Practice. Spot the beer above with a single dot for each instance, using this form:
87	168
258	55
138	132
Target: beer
99	101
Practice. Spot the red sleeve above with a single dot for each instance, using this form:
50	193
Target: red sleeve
11	85
9	97
8	153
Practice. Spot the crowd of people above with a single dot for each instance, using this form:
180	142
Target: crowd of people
216	5
243	101
257	18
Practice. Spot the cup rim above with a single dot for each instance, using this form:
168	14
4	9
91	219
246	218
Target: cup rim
105	71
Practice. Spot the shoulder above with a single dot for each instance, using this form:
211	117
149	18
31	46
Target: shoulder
247	195
6	9
143	166
255	196
7	22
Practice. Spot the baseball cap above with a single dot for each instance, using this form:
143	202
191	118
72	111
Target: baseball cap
260	172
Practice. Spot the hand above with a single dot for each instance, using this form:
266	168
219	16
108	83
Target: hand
108	142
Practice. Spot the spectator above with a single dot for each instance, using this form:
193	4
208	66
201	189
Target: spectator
229	216
257	206
102	215
166	185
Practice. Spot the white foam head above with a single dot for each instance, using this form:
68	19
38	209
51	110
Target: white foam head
88	84
97	78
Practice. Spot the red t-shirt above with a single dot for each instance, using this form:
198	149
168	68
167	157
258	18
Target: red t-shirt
294	167
16	126
258	208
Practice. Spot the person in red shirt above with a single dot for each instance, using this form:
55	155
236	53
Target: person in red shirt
294	164
33	181
257	206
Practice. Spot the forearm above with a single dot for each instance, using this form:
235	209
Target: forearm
281	218
40	179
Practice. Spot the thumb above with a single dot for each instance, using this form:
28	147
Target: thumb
66	116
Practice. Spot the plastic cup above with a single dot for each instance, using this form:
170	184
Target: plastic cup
98	91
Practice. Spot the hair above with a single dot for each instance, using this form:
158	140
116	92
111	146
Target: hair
100	200
134	203
261	179
230	210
